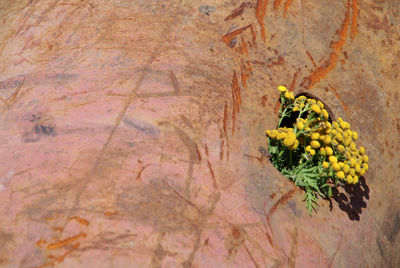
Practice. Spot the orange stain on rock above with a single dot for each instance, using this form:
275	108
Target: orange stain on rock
227	38
80	220
40	242
286	7
320	72
237	12
110	213
277	3
261	9
65	242
236	99
353	32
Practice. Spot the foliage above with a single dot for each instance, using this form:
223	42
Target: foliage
313	151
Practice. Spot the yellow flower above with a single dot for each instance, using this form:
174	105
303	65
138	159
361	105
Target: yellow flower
289	95
289	139
352	162
327	139
347	141
300	125
346	168
365	166
365	158
348	155
352	146
328	150
312	101
315	144
334	142
349	179
296	144
362	172
355	179
362	150
315	136
340	175
357	168
272	135
322	151
296	109
325	164
339	137
312	152
302	98
341	148
341	164
355	135
282	88
355	152
335	167
328	125
320	104
335	124
343	125
308	148
325	113
352	172
280	136
316	109
333	159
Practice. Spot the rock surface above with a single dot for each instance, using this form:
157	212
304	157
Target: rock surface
130	130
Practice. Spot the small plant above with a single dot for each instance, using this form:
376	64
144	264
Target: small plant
313	151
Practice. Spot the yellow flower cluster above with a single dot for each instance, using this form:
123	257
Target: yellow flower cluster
341	153
333	142
285	134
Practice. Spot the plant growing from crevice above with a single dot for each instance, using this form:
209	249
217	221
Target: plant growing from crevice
314	152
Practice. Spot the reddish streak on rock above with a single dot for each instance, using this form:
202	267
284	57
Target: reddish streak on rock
264	100
261	9
338	97
278	62
40	242
206	149
353	32
227	38
57	229
138	177
236	99
277	106
225	116
221	150
311	58
80	220
320	72
198	152
244	46
65	242
212	175
237	12
244	75
277	3
284	198
294	80
286	7
62	257
110	213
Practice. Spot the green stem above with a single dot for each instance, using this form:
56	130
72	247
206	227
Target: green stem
282	116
